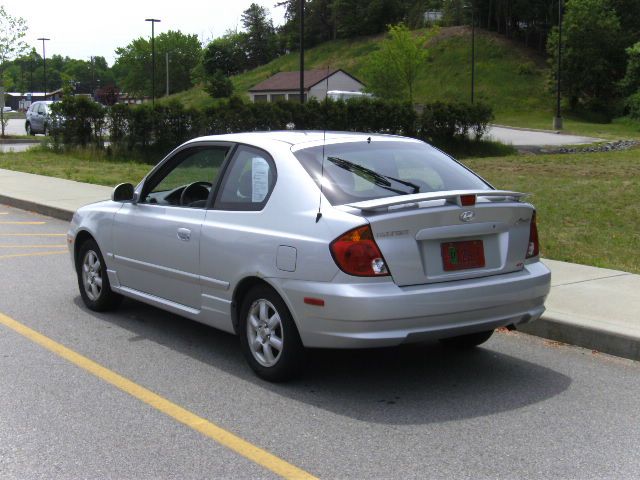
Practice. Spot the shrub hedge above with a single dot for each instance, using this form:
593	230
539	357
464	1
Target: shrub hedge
144	128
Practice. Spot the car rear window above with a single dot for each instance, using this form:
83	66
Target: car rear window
366	170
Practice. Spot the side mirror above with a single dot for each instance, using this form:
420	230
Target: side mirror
122	193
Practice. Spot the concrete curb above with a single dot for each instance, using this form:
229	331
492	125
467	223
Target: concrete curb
49	211
18	141
555	327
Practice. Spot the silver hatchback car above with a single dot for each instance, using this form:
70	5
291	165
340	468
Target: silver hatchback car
311	239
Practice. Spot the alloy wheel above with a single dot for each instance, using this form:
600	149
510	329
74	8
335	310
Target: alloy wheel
264	332
92	275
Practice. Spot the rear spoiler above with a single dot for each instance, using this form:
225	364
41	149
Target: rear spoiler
451	196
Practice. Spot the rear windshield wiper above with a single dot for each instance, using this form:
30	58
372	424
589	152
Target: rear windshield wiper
376	178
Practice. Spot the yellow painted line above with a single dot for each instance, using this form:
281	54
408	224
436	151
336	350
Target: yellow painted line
32	246
34	254
191	420
22	223
33	234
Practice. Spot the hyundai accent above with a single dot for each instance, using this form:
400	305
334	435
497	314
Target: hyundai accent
296	240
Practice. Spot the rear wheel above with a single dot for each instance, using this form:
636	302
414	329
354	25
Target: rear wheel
269	337
467	341
28	128
93	280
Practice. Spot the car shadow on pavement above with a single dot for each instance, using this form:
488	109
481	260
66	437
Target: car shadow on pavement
413	384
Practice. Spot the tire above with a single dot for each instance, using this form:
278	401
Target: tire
467	341
28	128
93	280
268	336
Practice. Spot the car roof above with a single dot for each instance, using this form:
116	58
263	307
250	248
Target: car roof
298	137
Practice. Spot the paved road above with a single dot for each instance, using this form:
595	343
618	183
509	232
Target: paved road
520	407
531	138
15	126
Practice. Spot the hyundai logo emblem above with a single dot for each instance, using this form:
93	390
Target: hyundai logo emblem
467	216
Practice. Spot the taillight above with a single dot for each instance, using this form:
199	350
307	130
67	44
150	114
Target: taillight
467	200
533	250
357	253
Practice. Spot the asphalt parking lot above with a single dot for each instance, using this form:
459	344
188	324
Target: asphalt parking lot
140	393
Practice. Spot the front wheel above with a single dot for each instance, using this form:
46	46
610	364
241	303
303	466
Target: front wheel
93	281
467	341
269	337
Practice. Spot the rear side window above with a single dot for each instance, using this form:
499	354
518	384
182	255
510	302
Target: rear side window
248	182
363	170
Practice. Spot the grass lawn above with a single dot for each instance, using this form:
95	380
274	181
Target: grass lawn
86	167
588	204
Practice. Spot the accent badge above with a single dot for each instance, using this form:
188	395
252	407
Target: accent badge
467	216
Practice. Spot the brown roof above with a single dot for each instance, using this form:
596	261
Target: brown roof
283	81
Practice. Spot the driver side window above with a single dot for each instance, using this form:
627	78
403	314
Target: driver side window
187	179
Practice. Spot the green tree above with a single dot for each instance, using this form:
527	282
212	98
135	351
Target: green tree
12	31
218	85
631	81
392	70
592	54
226	54
260	40
133	68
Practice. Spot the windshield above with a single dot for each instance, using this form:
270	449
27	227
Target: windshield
366	170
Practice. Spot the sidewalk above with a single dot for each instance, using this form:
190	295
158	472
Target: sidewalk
590	307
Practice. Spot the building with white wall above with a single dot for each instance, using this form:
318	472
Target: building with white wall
286	85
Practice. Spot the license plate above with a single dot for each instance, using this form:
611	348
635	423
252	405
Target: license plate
462	255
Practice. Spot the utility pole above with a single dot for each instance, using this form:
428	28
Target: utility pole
167	64
93	78
301	51
557	121
153	59
473	50
44	64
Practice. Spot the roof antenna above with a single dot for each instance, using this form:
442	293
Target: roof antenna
324	141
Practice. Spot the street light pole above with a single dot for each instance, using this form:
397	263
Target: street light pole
301	51
557	121
44	64
153	59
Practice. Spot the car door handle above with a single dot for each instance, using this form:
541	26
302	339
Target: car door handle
184	234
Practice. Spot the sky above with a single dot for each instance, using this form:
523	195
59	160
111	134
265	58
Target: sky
81	29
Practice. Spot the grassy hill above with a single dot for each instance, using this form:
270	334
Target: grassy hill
509	77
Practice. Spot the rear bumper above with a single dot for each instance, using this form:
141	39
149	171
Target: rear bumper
382	314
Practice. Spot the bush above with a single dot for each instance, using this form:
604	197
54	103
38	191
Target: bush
77	121
148	130
441	122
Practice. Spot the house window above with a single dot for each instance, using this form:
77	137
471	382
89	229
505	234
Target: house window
296	97
275	97
260	98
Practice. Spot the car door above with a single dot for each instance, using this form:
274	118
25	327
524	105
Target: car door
156	239
37	120
235	235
